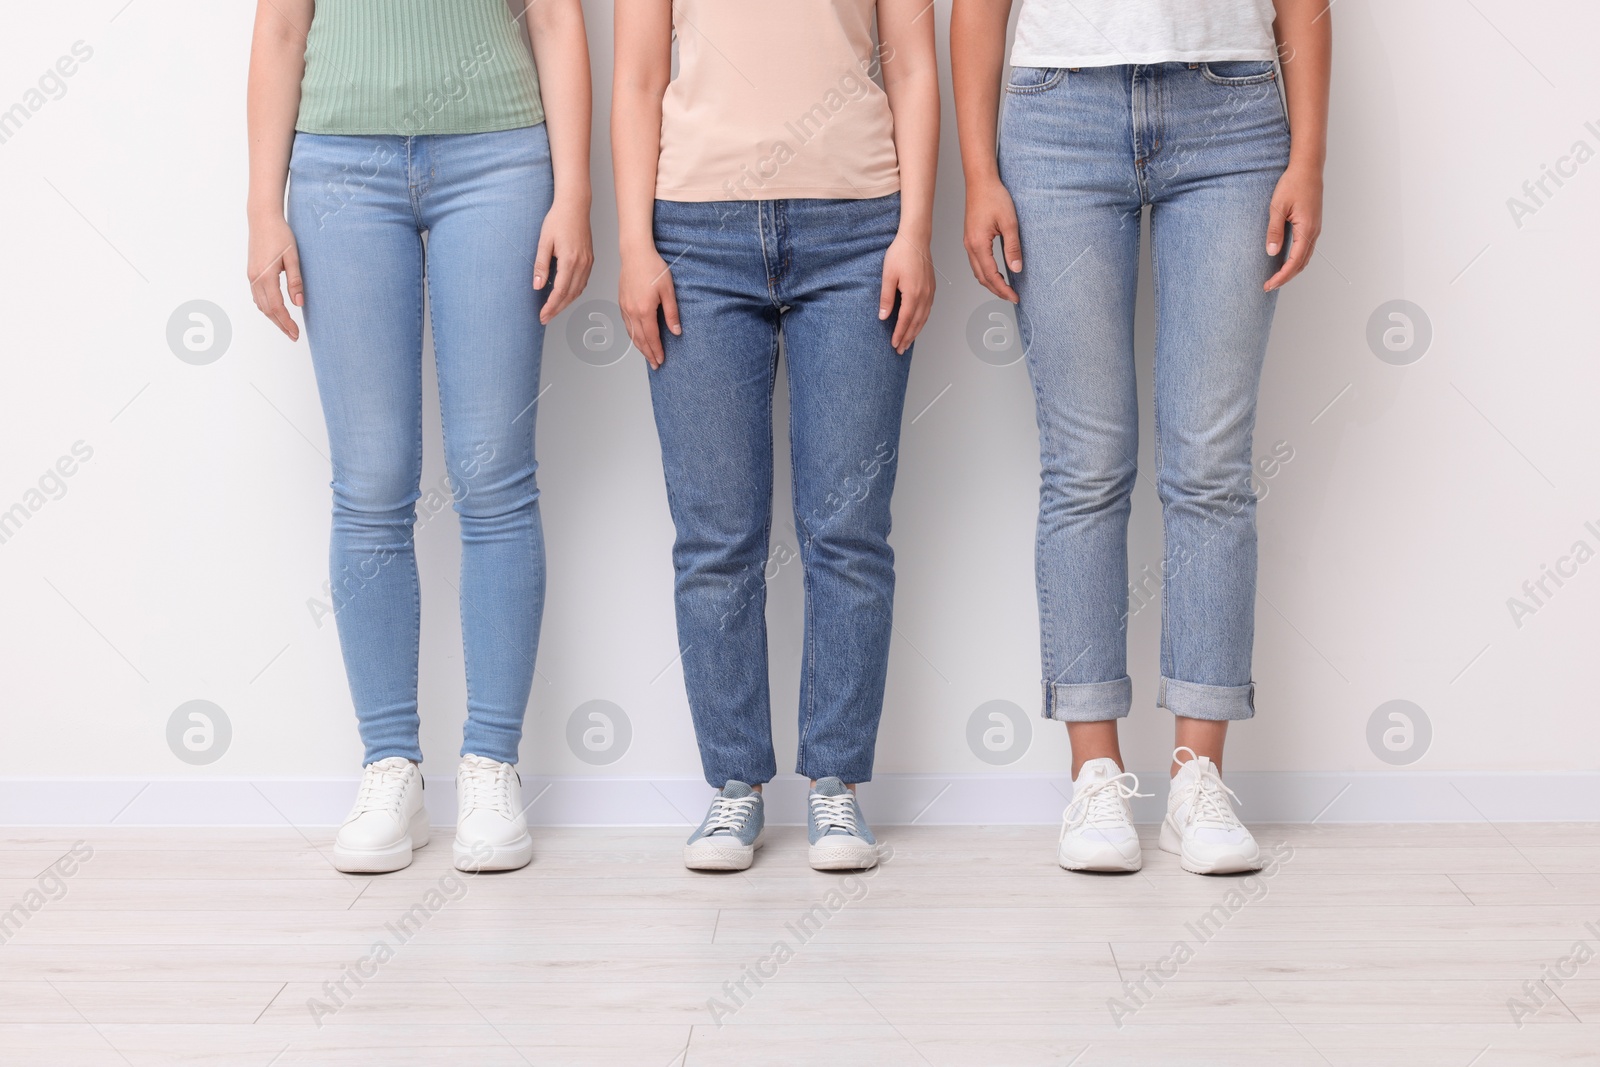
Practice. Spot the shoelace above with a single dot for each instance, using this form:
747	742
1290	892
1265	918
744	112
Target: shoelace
1208	796
730	814
383	786
1099	803
485	783
834	813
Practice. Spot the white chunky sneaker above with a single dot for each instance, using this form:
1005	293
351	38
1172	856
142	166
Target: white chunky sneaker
491	830
387	822
1097	831
1200	827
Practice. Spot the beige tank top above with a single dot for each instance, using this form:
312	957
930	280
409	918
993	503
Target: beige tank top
776	99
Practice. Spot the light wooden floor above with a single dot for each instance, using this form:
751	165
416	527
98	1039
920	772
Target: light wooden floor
1369	946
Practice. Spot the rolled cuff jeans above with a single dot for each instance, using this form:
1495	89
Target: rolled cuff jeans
746	273
1083	153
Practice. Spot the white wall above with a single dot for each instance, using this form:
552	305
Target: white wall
179	561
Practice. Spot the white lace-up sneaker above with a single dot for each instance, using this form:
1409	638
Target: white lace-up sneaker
387	822
1200	827
1097	831
491	830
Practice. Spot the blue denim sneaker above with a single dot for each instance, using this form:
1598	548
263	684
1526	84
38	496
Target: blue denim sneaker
840	837
728	838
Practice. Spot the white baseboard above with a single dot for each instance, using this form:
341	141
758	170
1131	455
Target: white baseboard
892	799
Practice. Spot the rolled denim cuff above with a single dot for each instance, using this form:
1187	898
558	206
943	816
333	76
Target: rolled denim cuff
1215	702
1089	701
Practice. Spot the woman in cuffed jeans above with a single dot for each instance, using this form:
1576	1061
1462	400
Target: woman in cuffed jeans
776	189
1115	108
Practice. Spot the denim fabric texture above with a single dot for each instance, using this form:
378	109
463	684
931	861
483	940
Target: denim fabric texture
1084	153
359	207
746	273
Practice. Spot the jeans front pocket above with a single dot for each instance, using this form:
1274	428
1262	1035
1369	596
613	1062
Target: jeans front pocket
1239	72
1026	80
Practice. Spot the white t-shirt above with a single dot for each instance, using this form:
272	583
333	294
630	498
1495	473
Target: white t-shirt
1104	33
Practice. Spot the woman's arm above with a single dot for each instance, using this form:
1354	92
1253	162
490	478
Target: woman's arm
277	61
911	81
977	63
561	54
643	68
1304	29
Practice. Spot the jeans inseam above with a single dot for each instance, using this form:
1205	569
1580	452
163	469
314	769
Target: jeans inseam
1046	625
1160	455
808	681
411	527
1041	572
455	499
762	209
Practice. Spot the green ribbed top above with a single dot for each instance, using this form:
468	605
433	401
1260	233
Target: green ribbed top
413	67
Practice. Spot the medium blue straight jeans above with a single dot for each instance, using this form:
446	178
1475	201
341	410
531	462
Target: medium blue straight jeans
359	207
1083	152
746	272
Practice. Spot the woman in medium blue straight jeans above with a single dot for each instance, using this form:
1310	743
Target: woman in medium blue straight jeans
432	185
781	187
1114	108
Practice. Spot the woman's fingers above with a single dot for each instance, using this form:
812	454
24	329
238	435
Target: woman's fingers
1303	241
1011	243
541	258
669	307
642	332
571	268
561	291
905	324
266	287
923	307
886	290
291	268
578	273
980	257
557	299
269	298
916	304
1279	212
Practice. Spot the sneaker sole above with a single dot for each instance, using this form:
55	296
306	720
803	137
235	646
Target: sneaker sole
396	857
853	855
512	857
1108	861
709	855
1172	841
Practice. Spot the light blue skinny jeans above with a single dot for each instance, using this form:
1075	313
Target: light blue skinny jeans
1083	152
359	207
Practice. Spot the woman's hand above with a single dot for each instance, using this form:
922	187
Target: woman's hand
273	253
1297	200
907	270
565	236
991	214
645	287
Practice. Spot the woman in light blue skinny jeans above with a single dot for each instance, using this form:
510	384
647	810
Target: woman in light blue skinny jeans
431	180
1112	108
